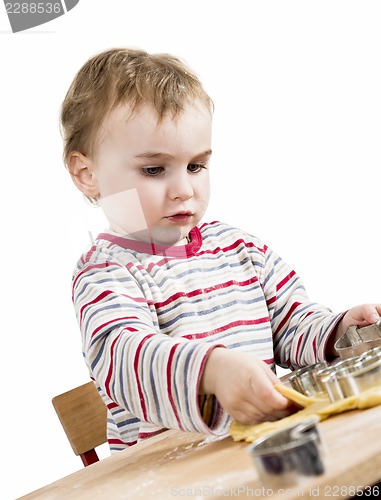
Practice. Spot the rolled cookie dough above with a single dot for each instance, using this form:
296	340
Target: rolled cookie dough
322	408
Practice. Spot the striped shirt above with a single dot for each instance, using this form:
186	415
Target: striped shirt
149	316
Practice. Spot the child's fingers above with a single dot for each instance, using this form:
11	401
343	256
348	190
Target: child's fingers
266	397
365	314
249	414
272	398
371	313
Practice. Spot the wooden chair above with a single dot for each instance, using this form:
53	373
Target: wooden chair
83	416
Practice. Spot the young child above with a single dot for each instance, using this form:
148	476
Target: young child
182	321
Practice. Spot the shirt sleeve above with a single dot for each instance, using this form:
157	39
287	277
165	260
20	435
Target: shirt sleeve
152	375
301	328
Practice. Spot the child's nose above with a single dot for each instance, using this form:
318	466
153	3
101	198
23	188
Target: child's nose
181	187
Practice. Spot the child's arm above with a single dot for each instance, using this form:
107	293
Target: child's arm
304	332
301	328
153	376
243	385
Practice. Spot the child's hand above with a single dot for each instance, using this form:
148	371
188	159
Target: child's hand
363	315
244	386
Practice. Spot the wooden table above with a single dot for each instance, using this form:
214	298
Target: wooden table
186	465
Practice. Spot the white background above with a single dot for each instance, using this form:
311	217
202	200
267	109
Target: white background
296	85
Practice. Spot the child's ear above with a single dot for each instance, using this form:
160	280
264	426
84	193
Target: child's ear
81	170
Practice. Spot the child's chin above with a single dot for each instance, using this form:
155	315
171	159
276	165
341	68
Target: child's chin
168	236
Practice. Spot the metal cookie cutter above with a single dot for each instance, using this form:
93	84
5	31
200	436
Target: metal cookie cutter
356	340
330	381
289	456
364	374
305	381
351	376
348	377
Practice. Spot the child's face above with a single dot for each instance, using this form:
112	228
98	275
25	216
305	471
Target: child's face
152	177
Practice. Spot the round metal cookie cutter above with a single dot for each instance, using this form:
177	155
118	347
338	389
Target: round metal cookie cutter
348	377
305	381
289	456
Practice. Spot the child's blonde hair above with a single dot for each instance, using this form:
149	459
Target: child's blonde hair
124	76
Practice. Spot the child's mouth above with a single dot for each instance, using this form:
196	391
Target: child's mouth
180	217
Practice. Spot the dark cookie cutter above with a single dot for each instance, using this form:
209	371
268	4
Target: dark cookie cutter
285	457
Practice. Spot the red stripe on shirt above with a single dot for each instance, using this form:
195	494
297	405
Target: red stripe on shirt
287	317
114	320
136	299
144	435
201	291
137	375
314	346
169	385
269	361
298	348
112	405
233	246
285	280
85	270
270	301
120	442
226	327
100	297
109	373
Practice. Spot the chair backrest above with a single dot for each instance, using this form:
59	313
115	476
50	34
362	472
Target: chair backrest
83	416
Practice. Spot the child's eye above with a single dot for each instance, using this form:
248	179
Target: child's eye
152	171
195	167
